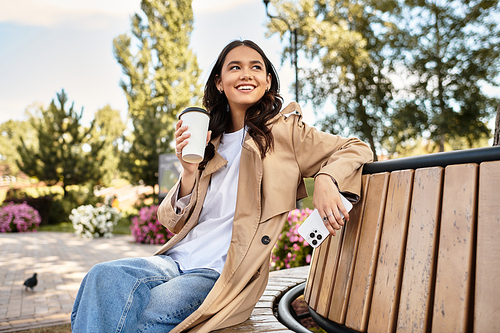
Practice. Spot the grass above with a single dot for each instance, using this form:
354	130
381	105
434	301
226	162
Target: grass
50	329
61	227
308	202
122	228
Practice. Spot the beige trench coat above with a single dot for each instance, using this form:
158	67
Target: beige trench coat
267	190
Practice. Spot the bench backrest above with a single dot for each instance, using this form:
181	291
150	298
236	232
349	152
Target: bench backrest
420	253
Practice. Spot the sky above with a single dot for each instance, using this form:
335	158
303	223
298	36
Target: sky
49	45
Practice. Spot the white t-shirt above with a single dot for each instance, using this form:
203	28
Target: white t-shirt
206	245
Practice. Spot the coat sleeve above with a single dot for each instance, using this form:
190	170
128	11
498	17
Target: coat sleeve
323	153
172	220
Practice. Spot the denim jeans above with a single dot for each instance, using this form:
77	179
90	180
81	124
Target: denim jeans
149	294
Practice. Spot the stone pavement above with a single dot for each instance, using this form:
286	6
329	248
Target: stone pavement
61	261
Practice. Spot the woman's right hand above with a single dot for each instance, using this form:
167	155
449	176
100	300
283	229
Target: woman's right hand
188	173
181	140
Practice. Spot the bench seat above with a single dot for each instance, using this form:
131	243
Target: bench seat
263	318
420	253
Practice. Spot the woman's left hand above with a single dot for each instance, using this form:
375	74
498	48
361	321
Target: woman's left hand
329	204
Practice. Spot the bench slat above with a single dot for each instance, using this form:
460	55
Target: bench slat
310	276
487	294
419	267
342	282
456	245
321	253
366	257
385	302
332	260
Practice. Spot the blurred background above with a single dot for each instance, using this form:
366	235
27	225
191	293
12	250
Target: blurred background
90	90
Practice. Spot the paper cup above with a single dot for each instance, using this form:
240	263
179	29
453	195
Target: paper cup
196	119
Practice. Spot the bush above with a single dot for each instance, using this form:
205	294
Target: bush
18	218
59	208
147	229
94	222
292	250
42	204
76	196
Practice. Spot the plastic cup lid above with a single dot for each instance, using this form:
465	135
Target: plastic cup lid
193	109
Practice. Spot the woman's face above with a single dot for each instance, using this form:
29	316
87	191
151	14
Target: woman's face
243	78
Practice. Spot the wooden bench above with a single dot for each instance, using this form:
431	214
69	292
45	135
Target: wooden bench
263	318
421	251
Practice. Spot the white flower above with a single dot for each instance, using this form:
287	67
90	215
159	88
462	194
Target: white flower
93	222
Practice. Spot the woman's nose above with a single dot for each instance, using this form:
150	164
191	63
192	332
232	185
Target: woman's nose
246	76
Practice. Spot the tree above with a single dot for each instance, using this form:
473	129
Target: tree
108	128
64	152
452	50
161	79
496	136
349	42
10	137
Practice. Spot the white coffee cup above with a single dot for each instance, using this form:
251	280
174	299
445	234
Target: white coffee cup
196	119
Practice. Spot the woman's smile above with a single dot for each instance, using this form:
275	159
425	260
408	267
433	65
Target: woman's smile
244	78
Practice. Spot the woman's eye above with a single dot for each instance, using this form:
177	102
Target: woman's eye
257	67
234	67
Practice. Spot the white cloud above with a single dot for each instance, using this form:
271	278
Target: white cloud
214	6
78	14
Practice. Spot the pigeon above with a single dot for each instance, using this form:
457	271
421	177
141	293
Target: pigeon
31	282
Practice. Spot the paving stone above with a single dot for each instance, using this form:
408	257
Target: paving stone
62	260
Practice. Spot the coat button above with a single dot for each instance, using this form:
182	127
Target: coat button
266	240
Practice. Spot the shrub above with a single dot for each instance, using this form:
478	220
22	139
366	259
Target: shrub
18	218
147	229
43	205
94	222
76	196
52	205
291	249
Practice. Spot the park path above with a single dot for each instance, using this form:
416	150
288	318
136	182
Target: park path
61	261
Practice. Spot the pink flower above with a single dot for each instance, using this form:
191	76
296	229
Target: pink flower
291	250
147	229
19	218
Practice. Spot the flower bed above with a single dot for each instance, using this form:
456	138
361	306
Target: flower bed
147	229
94	222
292	250
18	218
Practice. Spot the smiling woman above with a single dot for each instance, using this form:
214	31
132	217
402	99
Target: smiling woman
228	211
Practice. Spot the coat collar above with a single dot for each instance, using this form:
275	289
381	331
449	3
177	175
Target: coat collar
216	162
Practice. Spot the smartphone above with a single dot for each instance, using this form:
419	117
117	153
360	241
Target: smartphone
313	229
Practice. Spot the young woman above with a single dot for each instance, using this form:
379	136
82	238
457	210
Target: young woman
228	211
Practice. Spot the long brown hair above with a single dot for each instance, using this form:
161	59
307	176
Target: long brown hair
256	117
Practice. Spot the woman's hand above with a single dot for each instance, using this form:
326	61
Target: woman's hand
329	204
188	174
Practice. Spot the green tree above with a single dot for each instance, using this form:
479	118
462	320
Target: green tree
347	44
108	128
10	139
161	78
496	136
452	49
64	152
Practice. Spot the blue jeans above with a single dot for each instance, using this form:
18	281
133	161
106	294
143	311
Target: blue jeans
149	294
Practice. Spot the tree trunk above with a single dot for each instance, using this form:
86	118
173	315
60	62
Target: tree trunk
496	136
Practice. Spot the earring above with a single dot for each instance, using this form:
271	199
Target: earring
228	108
221	91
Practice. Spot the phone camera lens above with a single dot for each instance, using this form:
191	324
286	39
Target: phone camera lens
312	235
314	242
319	237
